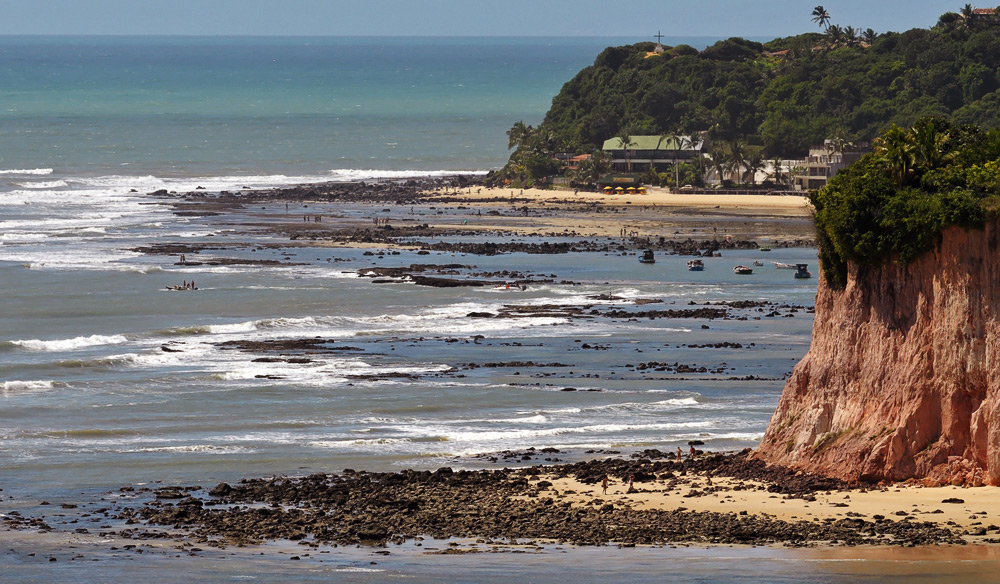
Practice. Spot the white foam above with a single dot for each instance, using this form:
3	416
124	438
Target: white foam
70	344
35	171
25	386
350	443
238	327
195	448
55	184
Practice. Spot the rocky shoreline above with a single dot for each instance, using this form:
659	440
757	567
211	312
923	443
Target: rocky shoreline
511	505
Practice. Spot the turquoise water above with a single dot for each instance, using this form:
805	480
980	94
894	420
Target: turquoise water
177	106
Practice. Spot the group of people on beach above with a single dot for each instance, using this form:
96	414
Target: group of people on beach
380	220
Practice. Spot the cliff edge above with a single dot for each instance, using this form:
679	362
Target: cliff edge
902	379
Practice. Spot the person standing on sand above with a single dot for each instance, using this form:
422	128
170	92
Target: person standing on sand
680	454
604	485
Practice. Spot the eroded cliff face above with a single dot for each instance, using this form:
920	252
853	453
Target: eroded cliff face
902	379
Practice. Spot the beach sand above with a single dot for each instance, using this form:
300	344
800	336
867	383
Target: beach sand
968	507
658	213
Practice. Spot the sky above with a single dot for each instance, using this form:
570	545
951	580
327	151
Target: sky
618	18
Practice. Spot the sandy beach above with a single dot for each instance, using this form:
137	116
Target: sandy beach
659	212
966	508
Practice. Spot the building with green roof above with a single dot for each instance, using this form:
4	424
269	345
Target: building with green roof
660	151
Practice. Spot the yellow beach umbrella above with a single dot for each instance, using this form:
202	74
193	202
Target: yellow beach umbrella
620	190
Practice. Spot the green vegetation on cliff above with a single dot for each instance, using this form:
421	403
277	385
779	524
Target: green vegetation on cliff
895	202
777	98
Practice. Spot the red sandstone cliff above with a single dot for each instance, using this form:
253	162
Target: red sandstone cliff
902	379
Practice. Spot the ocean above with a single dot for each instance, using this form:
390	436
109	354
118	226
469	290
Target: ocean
108	380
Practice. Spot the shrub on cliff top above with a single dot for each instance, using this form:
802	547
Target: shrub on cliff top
894	203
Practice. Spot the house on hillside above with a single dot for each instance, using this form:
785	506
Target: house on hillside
660	151
986	15
823	162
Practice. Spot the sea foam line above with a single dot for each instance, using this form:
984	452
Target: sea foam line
69	344
26	386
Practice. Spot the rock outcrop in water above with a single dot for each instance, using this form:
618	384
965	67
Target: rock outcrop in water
903	376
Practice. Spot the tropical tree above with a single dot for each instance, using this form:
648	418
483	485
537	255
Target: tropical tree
518	135
835	37
851	36
624	141
967	14
869	36
820	16
929	141
736	158
754	163
776	174
590	170
895	148
683	143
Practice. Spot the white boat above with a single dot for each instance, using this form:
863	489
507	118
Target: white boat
743	270
782	266
696	265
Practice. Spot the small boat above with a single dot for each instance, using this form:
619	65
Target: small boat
782	266
764	248
758	263
696	265
803	271
647	257
743	270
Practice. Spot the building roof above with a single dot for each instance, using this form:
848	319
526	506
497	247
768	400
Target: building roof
650	143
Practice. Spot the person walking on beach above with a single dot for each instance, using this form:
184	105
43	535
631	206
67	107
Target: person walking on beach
604	485
680	454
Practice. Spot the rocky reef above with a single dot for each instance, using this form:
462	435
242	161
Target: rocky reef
902	380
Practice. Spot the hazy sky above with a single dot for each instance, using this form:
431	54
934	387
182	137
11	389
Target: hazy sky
749	18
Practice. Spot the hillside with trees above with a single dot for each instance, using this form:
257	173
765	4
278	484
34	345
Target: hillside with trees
774	99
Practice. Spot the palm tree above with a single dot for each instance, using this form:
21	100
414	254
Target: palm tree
776	173
895	147
518	135
754	163
869	37
929	144
736	158
624	141
820	16
834	36
851	37
967	14
683	143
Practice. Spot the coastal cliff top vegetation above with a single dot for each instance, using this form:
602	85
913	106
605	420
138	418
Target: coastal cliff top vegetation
778	98
894	203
